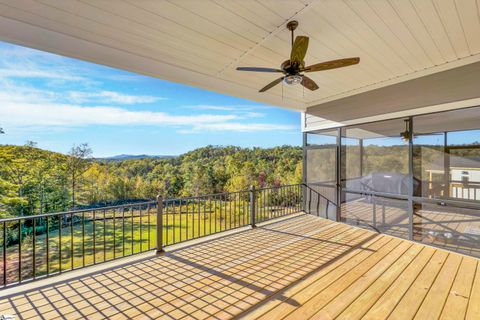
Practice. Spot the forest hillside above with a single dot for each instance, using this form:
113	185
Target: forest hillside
34	181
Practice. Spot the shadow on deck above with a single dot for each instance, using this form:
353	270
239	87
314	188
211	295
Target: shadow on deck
270	271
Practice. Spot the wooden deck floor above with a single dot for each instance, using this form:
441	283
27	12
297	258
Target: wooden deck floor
300	268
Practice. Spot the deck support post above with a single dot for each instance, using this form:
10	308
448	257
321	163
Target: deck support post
252	206
411	208
159	224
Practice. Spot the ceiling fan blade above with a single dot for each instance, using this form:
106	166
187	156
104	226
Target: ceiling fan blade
309	83
332	64
271	84
299	50
255	69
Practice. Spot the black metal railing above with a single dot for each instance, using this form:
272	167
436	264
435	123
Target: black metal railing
317	204
47	244
39	246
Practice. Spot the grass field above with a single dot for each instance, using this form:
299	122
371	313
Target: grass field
101	235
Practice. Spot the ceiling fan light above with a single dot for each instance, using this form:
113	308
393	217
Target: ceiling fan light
293	80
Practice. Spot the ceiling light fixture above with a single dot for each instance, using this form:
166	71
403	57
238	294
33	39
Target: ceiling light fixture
293	80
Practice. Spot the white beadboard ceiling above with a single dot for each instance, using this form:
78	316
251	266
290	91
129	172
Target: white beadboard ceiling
201	42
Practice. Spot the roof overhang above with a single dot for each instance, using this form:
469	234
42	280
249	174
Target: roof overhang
200	43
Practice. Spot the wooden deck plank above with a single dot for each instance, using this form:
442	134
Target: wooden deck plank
395	261
473	310
322	295
302	267
276	308
362	303
410	302
434	302
333	234
358	254
459	295
388	301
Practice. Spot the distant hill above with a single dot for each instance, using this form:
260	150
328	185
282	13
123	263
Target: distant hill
122	157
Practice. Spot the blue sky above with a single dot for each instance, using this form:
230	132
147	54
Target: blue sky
57	102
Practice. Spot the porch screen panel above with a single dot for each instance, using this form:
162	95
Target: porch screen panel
447	155
375	158
374	176
447	163
450	227
321	167
377	213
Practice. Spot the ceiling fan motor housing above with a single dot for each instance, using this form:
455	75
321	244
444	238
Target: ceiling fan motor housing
292	69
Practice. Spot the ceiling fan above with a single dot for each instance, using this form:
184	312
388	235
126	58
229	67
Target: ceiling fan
294	68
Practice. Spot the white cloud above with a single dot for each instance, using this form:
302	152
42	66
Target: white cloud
237	127
66	115
216	108
29	73
240	108
24	116
110	97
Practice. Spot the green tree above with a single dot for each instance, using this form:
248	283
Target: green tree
77	164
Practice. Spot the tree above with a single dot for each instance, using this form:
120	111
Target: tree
77	163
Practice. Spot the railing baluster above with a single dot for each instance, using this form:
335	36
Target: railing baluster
230	210
225	212
34	245
235	196
318	205
172	211
192	227
4	254
149	226
198	221
166	227
104	236
215	213
123	231
326	209
94	240
210	215
204	218
83	239
221	213
60	243
310	201
180	215
159	226
252	206
114	235
71	240
141	228
133	243
188	225
19	250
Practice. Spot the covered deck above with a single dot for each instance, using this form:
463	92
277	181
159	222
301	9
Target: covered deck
302	267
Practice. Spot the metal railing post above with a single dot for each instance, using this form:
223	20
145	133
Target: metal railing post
252	206
159	224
